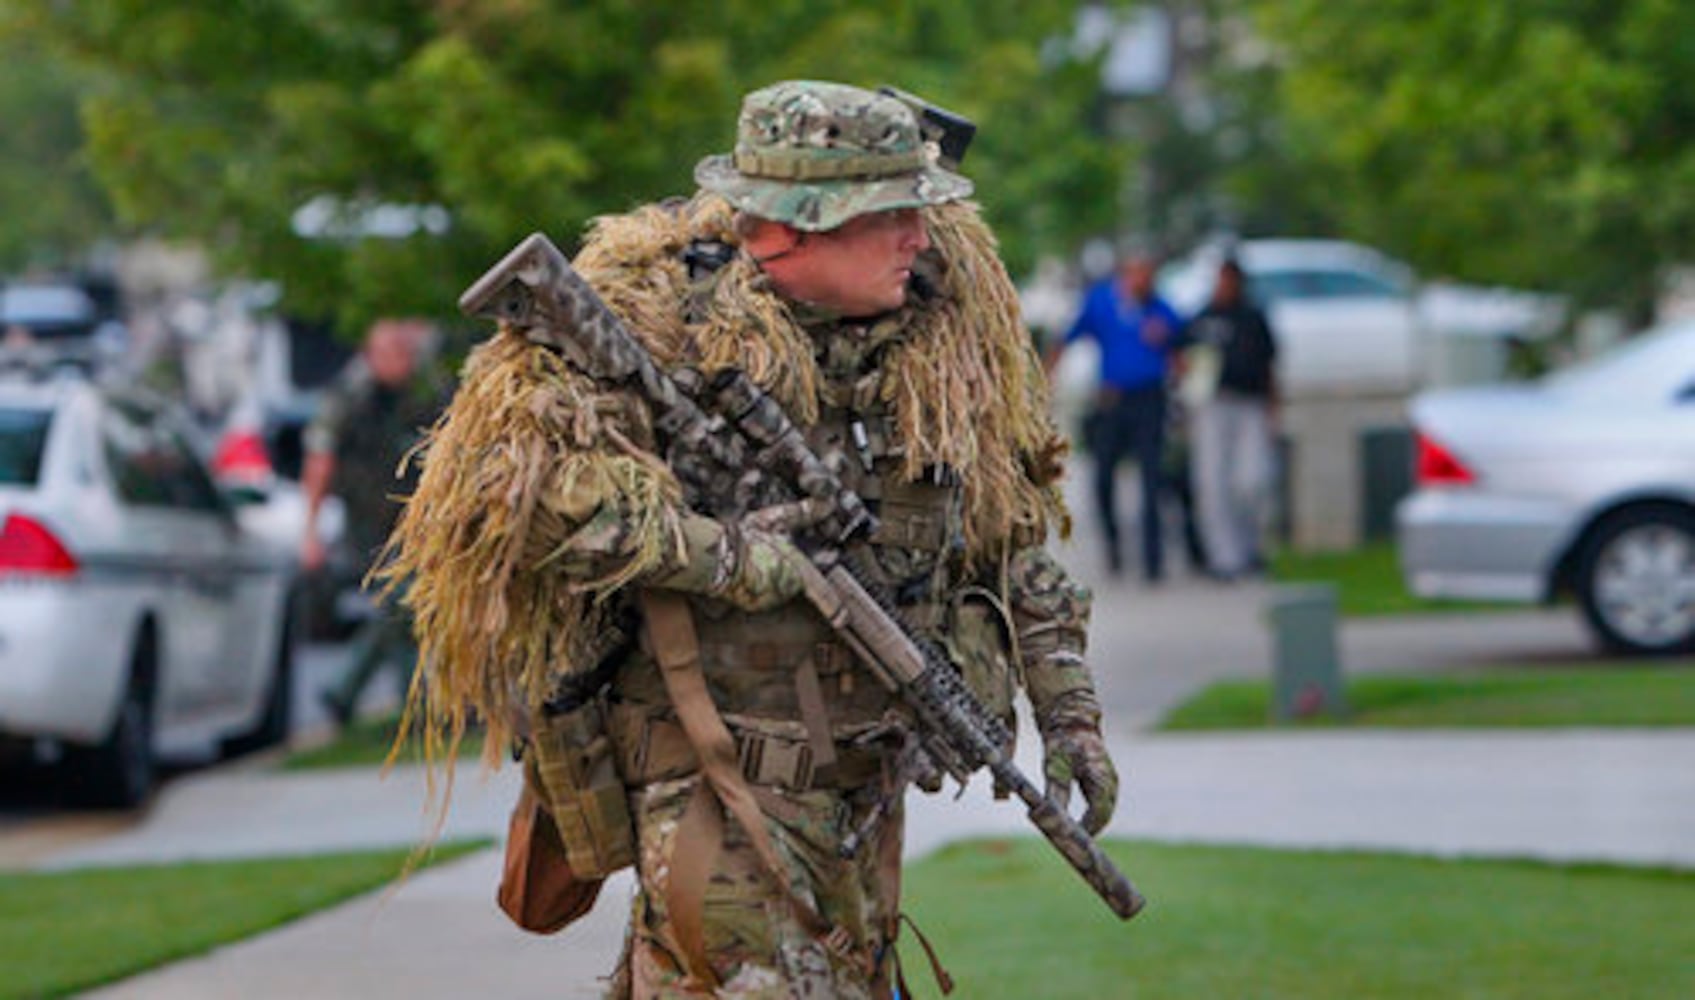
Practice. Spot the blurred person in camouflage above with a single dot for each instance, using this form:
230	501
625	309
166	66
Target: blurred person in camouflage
373	414
832	258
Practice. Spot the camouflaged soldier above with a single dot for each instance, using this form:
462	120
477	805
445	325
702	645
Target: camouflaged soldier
369	419
832	259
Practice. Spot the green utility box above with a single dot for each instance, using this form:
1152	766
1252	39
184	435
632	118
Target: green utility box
1306	672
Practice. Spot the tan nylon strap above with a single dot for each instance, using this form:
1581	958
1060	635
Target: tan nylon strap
676	647
809	694
943	980
700	834
808	165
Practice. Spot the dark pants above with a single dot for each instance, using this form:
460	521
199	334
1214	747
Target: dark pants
385	640
1130	423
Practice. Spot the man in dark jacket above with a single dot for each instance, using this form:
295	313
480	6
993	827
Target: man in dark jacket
1231	390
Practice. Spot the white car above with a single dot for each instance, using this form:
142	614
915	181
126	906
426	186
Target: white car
138	621
256	463
62	319
1349	318
1345	315
1582	482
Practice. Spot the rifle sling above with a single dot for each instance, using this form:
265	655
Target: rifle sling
809	693
676	647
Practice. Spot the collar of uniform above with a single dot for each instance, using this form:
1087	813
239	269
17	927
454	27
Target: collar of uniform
812	317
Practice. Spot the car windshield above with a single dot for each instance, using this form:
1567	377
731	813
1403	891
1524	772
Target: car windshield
47	311
1314	283
1656	367
23	440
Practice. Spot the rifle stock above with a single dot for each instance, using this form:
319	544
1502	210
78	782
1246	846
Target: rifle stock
534	289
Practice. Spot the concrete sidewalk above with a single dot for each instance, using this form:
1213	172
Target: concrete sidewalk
1572	795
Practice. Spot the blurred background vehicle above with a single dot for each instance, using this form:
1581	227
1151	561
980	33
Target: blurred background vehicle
256	462
253	378
67	320
140	621
1348	317
1344	314
1582	482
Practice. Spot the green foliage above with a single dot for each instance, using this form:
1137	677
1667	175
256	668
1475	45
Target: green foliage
216	122
1543	144
1009	919
1594	694
63	932
47	194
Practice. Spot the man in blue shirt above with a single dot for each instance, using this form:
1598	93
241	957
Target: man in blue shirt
1136	331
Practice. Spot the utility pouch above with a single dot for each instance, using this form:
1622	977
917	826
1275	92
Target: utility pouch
978	640
538	889
570	762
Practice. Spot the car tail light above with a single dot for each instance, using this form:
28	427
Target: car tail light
1437	466
242	458
26	546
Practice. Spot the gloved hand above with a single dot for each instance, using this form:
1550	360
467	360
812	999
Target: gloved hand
767	572
925	774
1074	753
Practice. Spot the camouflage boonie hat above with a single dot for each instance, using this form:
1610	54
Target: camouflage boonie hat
814	155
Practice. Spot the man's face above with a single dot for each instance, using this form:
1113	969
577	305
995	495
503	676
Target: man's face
857	269
391	351
1139	276
1229	288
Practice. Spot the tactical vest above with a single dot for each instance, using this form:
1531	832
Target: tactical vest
804	711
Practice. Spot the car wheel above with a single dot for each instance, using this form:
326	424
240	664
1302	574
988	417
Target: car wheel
1636	580
120	772
278	713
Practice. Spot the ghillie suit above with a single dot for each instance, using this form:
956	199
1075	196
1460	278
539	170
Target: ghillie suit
542	510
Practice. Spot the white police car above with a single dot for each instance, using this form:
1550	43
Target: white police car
138	621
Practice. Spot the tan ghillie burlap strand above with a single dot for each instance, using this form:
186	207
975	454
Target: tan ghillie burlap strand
523	455
965	382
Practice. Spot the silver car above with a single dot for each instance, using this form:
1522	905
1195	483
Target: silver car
1582	483
138	621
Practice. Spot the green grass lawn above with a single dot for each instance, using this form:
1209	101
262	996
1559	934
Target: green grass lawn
1367	579
1600	693
1010	919
366	743
62	932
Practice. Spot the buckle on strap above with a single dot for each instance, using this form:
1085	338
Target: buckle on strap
771	760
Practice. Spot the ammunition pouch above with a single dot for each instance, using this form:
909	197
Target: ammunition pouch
570	764
978	639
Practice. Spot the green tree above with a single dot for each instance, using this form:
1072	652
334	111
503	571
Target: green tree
218	122
49	199
1547	143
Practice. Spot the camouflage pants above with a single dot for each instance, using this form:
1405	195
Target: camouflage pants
754	942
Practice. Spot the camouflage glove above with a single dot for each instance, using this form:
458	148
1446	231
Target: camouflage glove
754	570
1050	614
1074	753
